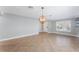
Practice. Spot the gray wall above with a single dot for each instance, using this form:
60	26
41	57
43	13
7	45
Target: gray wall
52	27
13	25
77	26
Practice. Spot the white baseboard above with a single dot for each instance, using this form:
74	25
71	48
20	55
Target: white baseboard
77	36
19	36
64	34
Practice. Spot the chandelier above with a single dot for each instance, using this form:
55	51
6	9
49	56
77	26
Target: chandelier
42	17
42	20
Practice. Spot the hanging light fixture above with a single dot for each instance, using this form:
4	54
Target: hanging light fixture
42	18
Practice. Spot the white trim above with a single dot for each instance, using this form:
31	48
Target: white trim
19	36
77	35
64	34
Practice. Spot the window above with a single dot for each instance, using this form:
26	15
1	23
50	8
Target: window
64	26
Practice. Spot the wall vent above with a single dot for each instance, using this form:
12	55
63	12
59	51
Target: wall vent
30	7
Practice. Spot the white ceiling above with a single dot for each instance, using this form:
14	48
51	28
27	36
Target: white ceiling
51	12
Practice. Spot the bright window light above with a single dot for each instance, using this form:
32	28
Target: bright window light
64	26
